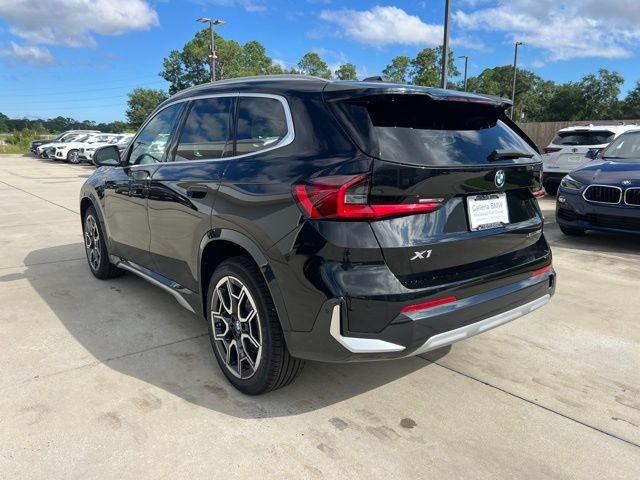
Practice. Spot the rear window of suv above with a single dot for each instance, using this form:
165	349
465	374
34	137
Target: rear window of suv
583	138
416	130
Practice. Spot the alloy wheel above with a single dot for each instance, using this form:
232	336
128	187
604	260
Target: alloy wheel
92	242
236	327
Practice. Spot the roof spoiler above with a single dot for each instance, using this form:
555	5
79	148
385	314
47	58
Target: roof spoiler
346	90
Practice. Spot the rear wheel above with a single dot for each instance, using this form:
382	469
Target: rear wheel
96	248
572	231
73	157
245	332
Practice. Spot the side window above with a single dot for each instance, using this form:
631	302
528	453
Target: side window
207	130
150	145
262	123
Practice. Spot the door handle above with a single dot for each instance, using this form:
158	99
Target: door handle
197	191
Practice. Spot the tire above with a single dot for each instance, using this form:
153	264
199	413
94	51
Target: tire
253	365
571	231
73	157
96	248
551	188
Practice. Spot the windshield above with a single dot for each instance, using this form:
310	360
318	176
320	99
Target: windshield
583	138
416	130
625	148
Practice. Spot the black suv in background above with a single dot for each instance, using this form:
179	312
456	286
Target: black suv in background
325	220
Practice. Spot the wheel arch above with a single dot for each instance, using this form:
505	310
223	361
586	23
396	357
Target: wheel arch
221	244
89	200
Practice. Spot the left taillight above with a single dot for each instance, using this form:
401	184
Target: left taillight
346	197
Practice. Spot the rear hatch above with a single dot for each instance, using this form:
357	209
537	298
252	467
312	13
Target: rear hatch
569	149
463	154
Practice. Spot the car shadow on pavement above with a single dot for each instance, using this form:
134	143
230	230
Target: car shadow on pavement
140	331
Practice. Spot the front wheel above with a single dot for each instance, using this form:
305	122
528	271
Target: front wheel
73	157
551	188
245	332
96	248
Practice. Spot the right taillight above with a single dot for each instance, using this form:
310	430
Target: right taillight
550	149
347	197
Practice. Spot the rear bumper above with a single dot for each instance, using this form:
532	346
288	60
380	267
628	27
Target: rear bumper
420	331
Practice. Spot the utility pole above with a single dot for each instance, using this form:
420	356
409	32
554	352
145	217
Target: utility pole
466	61
445	46
515	74
211	23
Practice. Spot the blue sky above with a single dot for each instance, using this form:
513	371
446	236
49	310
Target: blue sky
79	58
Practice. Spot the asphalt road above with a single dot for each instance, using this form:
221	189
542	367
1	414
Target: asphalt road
115	380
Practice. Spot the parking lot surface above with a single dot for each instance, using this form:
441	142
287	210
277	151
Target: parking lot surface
113	379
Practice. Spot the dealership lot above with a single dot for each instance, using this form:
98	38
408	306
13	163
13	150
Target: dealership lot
115	379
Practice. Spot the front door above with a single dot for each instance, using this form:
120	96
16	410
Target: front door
127	189
182	192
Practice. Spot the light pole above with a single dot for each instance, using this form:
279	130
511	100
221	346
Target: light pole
515	74
466	61
211	23
445	46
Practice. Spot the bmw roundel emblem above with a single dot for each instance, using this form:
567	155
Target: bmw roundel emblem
500	178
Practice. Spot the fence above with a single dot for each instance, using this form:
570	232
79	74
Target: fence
543	132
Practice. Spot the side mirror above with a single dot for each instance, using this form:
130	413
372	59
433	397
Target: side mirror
593	153
107	156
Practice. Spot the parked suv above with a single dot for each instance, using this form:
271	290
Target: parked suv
574	147
325	220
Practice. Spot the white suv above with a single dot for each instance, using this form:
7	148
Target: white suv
69	151
573	147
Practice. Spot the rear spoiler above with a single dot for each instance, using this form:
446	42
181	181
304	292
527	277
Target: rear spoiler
340	91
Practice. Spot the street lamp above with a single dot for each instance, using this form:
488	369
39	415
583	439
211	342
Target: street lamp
515	73
445	47
211	23
466	61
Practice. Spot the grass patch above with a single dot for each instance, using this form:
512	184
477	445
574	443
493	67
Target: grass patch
13	149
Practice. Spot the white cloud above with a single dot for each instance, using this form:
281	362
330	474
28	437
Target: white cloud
248	5
564	29
28	53
382	26
73	22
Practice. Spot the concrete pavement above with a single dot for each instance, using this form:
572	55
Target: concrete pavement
115	380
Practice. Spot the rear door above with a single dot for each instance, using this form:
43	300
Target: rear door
182	191
469	158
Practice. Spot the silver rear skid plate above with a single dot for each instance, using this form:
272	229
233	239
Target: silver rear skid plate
372	345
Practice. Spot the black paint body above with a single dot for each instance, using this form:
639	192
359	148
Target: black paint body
177	220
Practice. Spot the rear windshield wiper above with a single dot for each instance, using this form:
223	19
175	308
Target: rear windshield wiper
507	154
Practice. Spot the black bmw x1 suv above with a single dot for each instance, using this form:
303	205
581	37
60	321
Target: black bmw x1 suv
325	220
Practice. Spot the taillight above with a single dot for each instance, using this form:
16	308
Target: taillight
541	271
550	149
347	197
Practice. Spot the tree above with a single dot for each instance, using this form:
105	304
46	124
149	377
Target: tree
397	71
533	94
564	104
142	101
4	128
312	64
426	68
631	105
600	95
190	66
346	71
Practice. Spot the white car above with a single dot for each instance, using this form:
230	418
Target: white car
575	146
44	149
86	153
70	151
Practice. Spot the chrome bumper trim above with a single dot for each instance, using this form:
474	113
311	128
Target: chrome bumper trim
359	345
452	336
